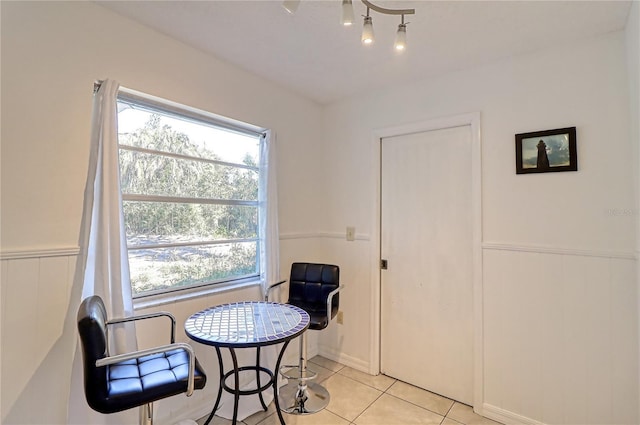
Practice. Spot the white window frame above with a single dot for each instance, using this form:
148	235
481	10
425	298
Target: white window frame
153	103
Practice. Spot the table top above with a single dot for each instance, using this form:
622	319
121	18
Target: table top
247	324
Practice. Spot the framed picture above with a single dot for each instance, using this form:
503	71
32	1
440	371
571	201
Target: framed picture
546	151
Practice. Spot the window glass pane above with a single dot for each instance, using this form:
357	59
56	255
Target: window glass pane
182	182
151	174
151	223
177	267
155	131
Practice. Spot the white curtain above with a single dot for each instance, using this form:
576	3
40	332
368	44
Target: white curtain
103	268
268	198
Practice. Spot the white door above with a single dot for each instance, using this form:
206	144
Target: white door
426	240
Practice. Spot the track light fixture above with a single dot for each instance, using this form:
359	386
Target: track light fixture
291	5
401	36
367	29
347	13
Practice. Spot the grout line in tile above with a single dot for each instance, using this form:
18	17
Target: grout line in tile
317	364
265	418
382	392
440	395
450	407
370	404
417	405
365	384
328	376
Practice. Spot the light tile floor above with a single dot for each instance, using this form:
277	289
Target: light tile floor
361	399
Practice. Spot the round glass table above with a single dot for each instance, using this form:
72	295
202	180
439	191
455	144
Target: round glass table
251	324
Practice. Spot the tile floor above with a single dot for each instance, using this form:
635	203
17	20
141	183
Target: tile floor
361	399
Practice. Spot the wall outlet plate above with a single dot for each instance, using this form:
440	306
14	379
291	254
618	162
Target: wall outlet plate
351	233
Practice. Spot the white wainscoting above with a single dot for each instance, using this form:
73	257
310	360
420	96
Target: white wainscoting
36	287
560	332
560	336
35	296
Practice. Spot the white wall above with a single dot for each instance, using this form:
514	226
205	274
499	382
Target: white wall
51	54
632	38
560	314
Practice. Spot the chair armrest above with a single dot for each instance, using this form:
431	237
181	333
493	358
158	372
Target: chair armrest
330	299
149	316
162	349
266	295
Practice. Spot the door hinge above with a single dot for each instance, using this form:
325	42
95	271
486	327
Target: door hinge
383	264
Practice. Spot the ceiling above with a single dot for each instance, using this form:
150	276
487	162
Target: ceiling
311	53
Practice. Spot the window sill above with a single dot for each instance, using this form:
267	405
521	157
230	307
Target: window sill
188	294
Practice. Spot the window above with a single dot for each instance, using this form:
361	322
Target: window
189	186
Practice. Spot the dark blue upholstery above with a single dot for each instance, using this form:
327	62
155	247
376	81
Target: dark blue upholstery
132	383
309	288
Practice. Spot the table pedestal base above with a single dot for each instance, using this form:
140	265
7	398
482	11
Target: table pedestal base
300	398
272	382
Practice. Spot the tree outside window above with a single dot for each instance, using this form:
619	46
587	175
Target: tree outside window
190	200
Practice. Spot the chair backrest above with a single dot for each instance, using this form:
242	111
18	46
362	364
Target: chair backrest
92	327
146	376
310	285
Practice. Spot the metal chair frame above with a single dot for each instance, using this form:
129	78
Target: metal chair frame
302	374
146	410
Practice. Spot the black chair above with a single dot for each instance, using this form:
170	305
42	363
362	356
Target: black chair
120	382
314	288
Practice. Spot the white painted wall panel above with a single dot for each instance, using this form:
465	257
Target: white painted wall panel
632	40
550	317
575	340
19	328
33	319
337	341
494	353
52	299
512	332
598	346
623	339
566	352
4	273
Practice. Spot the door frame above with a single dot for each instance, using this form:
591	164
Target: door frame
473	120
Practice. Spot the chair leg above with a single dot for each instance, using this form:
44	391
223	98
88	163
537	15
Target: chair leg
146	414
303	397
302	352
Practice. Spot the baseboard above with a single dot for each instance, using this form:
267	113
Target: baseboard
340	357
506	417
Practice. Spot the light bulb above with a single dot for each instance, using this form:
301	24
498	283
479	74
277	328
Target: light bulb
401	38
347	13
367	30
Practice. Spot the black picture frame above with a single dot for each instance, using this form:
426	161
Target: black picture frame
546	151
